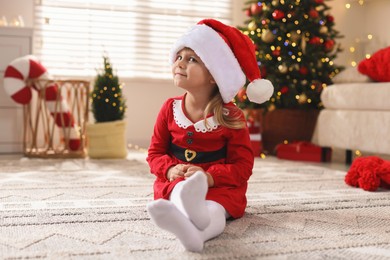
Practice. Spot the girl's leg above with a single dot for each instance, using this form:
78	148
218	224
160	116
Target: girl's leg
166	215
189	196
218	218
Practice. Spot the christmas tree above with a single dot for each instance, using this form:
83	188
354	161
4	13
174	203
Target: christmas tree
108	103
295	48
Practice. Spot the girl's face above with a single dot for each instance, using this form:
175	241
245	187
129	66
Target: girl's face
190	73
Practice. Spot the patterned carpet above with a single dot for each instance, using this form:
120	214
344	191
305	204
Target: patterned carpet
95	209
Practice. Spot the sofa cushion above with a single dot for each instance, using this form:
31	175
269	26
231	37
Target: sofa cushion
350	75
357	96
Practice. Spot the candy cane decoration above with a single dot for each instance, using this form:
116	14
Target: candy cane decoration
17	77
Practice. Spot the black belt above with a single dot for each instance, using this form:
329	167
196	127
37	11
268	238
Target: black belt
188	155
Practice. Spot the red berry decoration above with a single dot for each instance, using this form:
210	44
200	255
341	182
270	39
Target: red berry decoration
319	1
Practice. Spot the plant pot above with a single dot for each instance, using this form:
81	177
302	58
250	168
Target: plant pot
107	140
289	125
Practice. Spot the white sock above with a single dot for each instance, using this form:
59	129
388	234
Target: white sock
166	216
189	196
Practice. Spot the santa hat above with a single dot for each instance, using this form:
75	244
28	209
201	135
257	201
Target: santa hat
229	55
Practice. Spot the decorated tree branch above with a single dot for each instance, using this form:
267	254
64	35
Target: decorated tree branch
296	48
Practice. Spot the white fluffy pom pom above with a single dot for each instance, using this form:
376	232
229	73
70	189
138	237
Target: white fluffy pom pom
260	90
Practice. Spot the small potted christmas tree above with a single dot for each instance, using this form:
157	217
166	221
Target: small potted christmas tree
107	136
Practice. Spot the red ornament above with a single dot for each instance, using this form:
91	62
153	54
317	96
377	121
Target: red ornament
303	70
276	53
330	18
263	71
329	44
256	8
319	1
248	12
315	40
284	90
278	14
241	95
313	13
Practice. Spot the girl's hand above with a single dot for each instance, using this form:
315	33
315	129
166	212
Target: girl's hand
176	171
191	169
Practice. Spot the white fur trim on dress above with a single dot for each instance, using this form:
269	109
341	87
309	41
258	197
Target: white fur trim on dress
216	55
183	122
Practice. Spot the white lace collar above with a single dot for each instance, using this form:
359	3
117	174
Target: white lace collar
183	122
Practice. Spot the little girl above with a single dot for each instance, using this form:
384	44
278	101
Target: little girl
200	150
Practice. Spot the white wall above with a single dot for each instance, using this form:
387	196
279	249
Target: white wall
145	97
358	22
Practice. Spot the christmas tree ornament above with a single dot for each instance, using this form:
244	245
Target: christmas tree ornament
256	8
323	29
313	13
302	98
315	40
303	70
248	12
330	18
267	36
303	45
241	95
283	68
329	45
276	52
278	15
284	90
295	36
252	26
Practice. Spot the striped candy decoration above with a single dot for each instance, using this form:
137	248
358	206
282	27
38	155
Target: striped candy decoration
17	77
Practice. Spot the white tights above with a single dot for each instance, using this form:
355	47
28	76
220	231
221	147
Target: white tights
188	215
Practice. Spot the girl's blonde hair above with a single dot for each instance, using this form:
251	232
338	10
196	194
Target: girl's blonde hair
230	117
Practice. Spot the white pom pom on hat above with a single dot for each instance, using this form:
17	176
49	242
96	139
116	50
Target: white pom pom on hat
230	57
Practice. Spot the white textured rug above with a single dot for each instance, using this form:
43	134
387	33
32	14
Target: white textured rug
95	209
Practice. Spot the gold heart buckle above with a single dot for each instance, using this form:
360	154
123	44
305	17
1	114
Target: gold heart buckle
189	155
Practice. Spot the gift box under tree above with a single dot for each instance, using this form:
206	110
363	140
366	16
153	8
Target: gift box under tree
303	151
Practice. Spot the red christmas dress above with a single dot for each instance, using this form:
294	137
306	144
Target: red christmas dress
191	140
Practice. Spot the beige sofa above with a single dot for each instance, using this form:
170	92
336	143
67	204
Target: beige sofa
356	117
